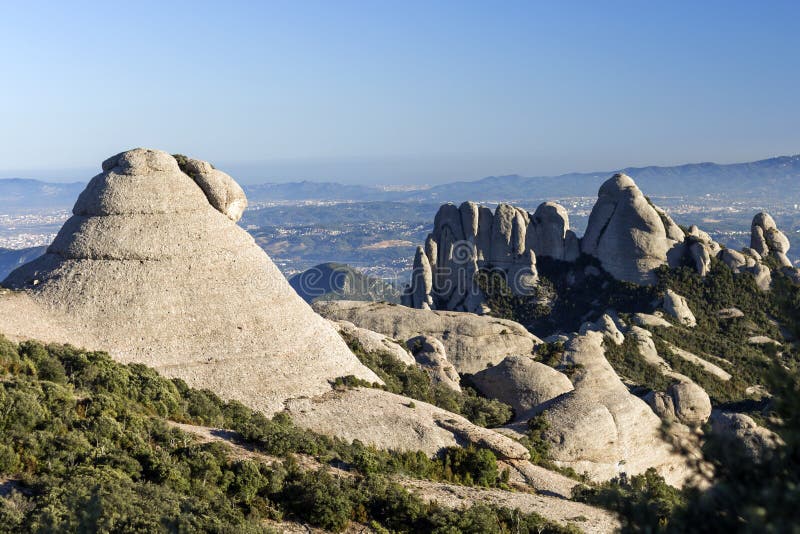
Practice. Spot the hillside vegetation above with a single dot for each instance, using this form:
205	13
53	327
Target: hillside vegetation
86	445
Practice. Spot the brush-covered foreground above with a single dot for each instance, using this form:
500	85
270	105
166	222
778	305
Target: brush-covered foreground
85	446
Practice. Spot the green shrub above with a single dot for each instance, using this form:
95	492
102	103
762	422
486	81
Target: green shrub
413	382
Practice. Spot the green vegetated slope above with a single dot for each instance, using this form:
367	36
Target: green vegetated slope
567	297
745	496
86	446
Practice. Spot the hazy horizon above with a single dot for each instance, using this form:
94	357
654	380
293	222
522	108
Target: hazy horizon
362	92
349	172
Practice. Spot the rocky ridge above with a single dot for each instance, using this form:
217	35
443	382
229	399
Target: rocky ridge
153	269
627	235
472	342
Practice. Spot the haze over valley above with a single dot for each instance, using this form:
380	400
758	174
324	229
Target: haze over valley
376	229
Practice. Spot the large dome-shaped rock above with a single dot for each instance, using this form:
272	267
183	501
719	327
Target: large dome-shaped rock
629	236
154	269
601	428
523	383
472	341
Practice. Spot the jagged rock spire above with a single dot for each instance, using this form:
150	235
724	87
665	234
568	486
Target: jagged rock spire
471	237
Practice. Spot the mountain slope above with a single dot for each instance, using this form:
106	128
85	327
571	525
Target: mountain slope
759	178
337	281
10	259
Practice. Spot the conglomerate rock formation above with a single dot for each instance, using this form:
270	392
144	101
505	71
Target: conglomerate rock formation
154	268
626	234
601	428
472	342
470	237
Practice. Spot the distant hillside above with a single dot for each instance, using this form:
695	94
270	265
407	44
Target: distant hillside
336	281
314	191
759	179
10	259
16	193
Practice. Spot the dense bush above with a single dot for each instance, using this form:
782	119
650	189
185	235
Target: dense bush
629	364
565	298
645	502
85	446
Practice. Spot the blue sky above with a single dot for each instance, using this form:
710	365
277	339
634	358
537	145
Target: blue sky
400	92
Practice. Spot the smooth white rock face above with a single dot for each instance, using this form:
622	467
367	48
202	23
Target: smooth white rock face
154	273
472	342
522	383
628	234
676	306
600	427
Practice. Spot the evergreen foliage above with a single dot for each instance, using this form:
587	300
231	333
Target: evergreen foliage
85	446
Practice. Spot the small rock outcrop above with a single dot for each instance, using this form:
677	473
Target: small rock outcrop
691	402
676	306
756	440
523	383
767	240
629	235
662	404
431	356
606	326
375	342
221	190
472	342
390	421
701	249
651	319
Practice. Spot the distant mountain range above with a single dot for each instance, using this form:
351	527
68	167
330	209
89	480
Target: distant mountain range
10	259
759	179
21	193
